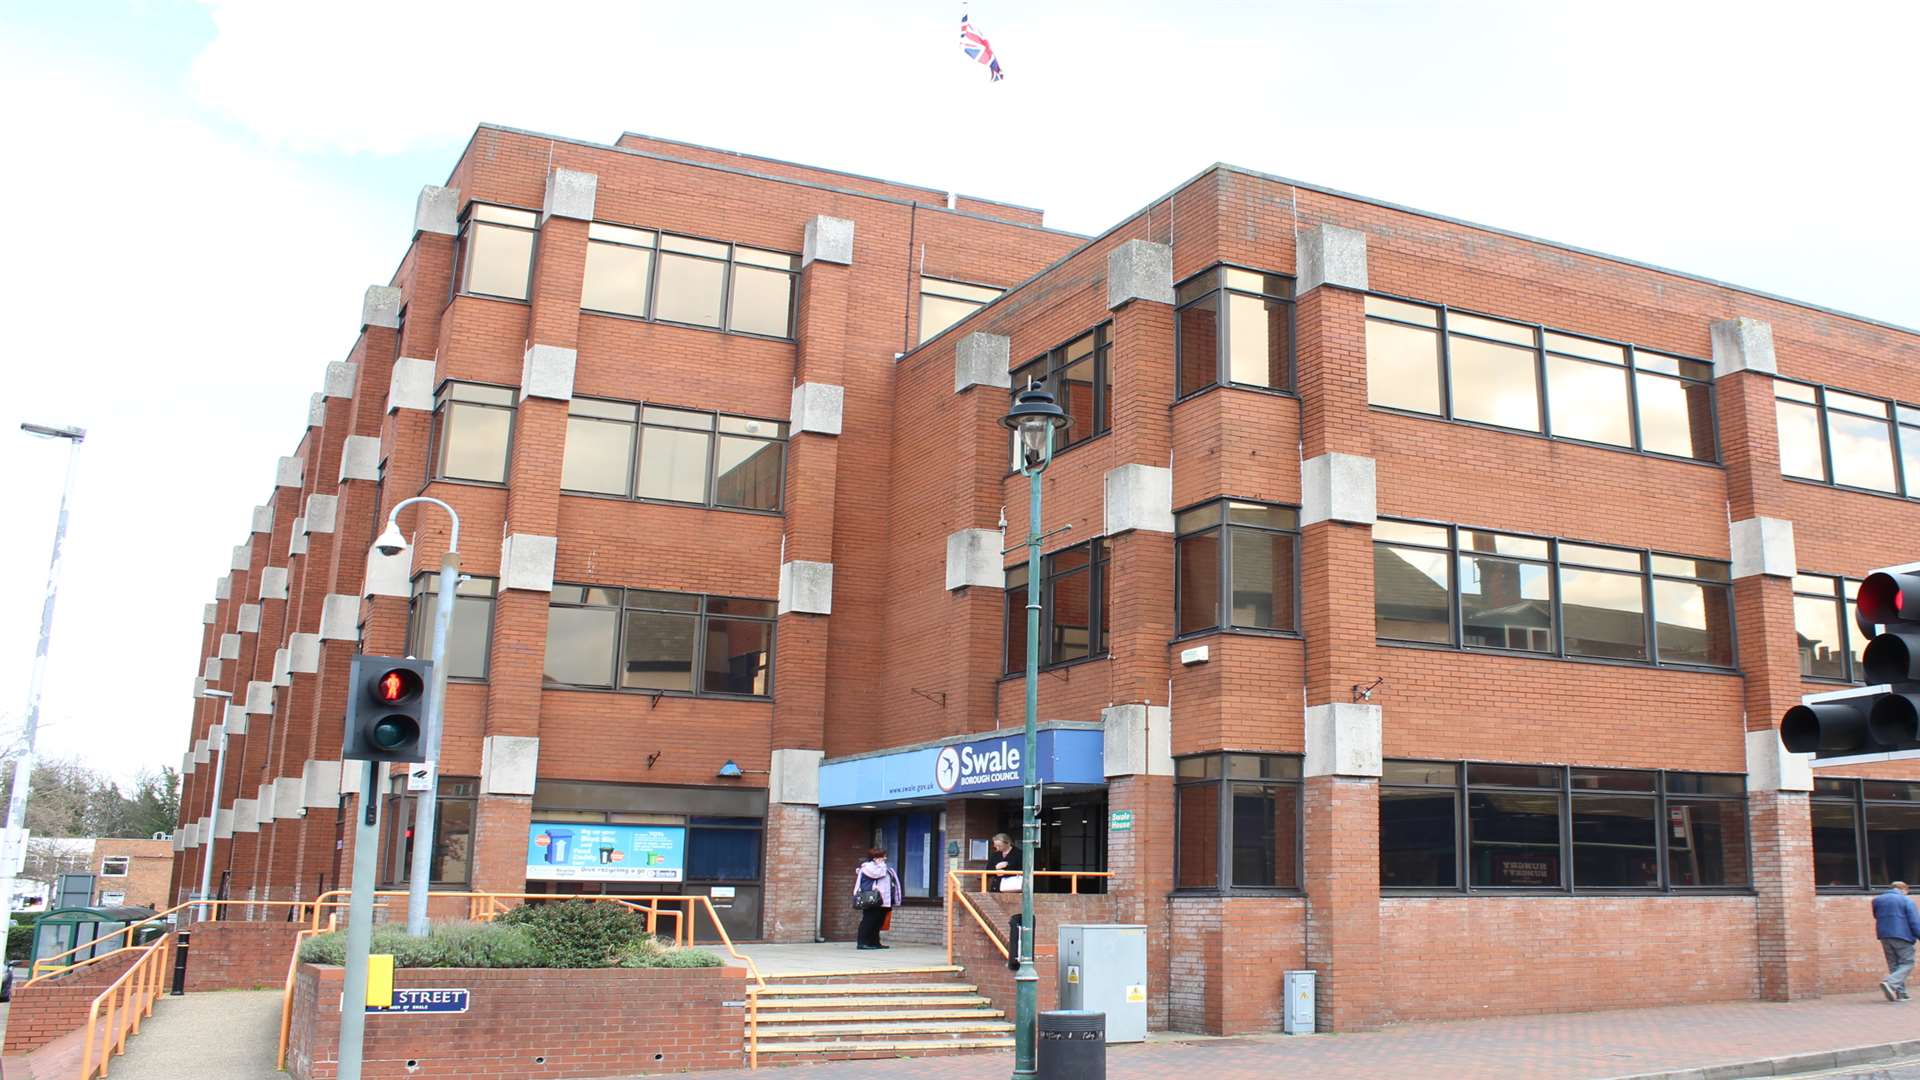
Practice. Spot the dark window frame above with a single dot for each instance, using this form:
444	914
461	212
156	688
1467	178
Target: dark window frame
1463	788
714	434
1224	527
1223	336
1898	428
1097	567
396	855
1543	403
1224	781
1043	368
436	431
703	616
730	262
469	227
1859	802
1552	562
427	583
1844	603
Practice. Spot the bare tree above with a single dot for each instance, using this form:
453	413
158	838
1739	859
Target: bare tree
47	859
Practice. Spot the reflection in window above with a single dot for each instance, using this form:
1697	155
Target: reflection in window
1493	382
496	251
1074	596
683	455
1077	375
1505	603
685	280
1878	817
599	450
943	303
1587	389
472	424
1829	642
654	641
1255	582
1604	609
1862	440
760	299
1419	825
619	275
469	632
1237	822
1234	326
1403	356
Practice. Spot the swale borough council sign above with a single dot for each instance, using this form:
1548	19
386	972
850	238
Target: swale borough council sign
960	768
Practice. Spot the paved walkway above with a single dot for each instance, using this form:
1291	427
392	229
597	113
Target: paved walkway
230	1034
813	958
1677	1043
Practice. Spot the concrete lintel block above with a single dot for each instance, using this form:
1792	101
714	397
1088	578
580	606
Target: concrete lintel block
806	587
264	801
381	307
259	698
246	816
289	797
202	753
1138	740
263	518
982	360
212	671
283	667
323	512
974	558
437	210
187	764
179	839
1337	487
350	777
546	371
1762	545
223	823
411	386
289	472
242	555
229	646
387	575
1139	497
527	560
795	777
508	764
1770	767
1139	270
1743	344
340	618
223	587
199	687
1331	255
341	376
317	410
236	720
359	459
321	784
817	408
570	194
828	240
273	583
248	620
297	538
303	654
209	614
1343	739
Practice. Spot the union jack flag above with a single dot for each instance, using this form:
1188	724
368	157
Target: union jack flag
977	48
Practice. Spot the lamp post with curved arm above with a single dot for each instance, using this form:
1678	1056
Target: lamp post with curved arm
420	869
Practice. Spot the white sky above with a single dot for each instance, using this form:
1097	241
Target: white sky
200	192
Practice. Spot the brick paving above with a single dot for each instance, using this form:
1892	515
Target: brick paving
1585	1045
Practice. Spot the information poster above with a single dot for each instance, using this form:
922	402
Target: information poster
577	851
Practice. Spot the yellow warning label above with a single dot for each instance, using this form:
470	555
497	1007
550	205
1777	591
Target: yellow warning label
380	980
1073	973
1136	993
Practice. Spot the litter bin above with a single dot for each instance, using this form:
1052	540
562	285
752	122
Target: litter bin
1072	1045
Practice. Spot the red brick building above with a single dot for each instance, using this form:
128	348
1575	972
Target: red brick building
1430	597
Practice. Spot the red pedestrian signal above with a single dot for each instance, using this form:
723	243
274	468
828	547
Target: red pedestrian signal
386	711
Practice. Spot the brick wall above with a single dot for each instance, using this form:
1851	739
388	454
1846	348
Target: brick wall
532	1023
988	970
45	1011
233	955
1850	956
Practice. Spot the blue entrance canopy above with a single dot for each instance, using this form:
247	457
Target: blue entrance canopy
1068	755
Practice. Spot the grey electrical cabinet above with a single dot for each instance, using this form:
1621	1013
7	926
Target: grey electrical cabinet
1297	1016
1103	968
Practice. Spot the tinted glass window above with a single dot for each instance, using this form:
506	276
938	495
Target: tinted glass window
738	654
467	635
1258	344
1862	450
673	464
1614	842
690	290
1836	854
580	644
1605	614
617	279
499	260
761	302
1816	626
473	442
1516	839
598	457
1676	417
1693	623
1403	367
1707	843
1494	384
1265	828
1410	594
1198	338
1505	604
1588	401
1799	427
658	651
1016	619
1197	847
1893	844
1419	838
1198	556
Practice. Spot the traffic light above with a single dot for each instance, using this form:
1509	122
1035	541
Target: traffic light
1883	716
386	709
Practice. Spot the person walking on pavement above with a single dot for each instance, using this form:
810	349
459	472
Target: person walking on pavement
876	892
1896	922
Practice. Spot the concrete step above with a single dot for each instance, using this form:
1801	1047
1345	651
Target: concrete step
787	1017
872	1002
887	1029
778	990
860	974
893	1047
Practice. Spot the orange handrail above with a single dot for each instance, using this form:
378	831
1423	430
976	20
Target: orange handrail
1073	876
49	963
286	997
954	892
128	1000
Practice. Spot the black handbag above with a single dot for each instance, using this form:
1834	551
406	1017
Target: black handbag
866	898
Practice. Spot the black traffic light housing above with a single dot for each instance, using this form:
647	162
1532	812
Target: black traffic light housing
387	709
1883	716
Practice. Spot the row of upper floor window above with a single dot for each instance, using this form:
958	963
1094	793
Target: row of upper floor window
665	277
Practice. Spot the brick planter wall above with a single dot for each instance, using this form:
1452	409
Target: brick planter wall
1850	956
532	1023
45	1011
240	955
987	969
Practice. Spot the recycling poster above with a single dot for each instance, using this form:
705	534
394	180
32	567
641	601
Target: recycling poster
576	851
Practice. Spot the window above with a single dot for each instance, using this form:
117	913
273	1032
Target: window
496	251
760	297
658	642
470	633
1234	326
1847	440
1248	584
1559	829
680	279
944	303
1475	589
452	863
1830	642
724	849
115	865
619	270
1237	822
1077	375
1447	363
472	429
1073	604
1865	829
708	459
914	840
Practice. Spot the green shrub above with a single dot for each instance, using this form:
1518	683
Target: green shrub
447	944
581	933
673	958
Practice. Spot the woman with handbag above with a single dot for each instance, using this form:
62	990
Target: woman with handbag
1007	857
876	891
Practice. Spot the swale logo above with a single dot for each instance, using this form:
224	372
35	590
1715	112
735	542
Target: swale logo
946	769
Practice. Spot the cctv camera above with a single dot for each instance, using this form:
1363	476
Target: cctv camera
390	543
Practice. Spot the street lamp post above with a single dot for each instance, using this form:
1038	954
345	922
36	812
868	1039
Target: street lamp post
420	867
1033	419
219	772
23	765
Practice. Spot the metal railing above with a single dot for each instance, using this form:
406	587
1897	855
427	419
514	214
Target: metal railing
958	895
49	966
127	1001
